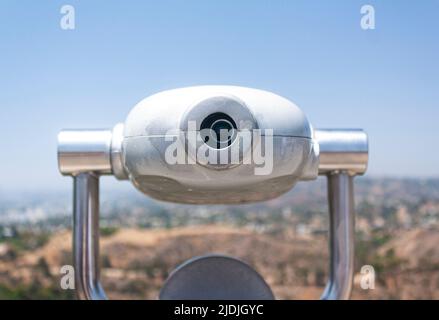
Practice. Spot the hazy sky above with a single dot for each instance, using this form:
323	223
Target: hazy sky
313	52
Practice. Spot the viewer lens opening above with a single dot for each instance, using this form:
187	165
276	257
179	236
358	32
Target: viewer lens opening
218	130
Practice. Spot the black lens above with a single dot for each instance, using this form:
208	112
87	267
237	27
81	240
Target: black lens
222	130
222	127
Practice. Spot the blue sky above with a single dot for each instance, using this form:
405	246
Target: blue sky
313	52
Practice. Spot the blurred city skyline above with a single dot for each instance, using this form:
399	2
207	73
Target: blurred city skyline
315	53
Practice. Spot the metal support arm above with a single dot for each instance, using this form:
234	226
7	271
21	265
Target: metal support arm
341	236
86	237
343	155
85	155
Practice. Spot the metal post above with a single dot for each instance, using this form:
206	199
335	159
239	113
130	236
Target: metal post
343	155
85	155
341	236
86	236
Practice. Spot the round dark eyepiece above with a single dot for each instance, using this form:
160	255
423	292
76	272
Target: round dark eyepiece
218	130
215	277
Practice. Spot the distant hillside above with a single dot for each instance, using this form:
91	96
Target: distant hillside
136	262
